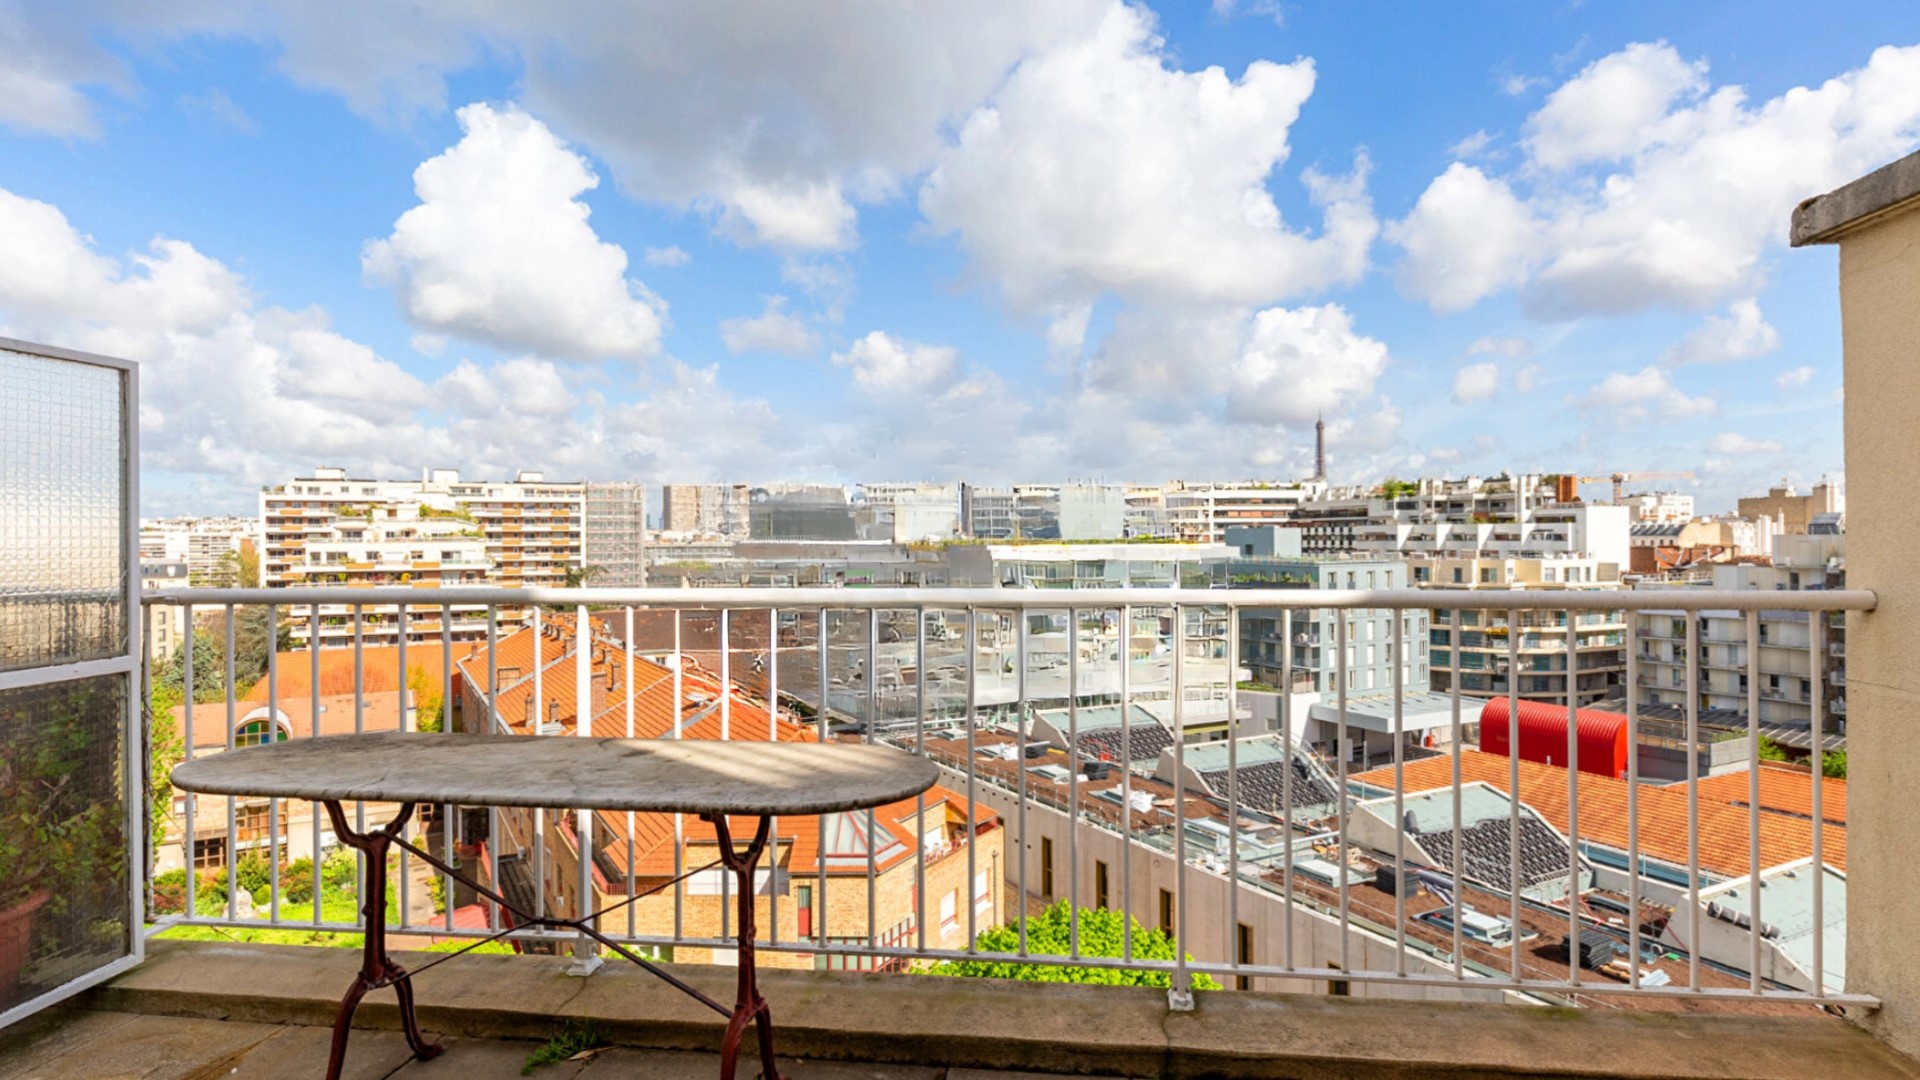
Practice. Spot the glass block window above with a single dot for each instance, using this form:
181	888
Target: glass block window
63	568
64	908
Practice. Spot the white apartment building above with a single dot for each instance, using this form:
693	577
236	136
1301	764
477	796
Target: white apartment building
1485	654
1201	512
441	529
164	626
1667	507
1784	653
912	513
1147	511
198	542
1502	517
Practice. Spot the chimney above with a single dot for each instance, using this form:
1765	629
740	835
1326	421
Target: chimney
553	711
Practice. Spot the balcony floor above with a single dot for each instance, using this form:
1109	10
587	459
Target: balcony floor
76	1044
204	1011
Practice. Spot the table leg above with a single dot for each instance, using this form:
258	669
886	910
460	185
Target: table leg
377	969
748	1006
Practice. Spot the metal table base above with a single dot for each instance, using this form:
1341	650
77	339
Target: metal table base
378	969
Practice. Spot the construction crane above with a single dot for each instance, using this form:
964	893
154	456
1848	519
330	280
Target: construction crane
1571	484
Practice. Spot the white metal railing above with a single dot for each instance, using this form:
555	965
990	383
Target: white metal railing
951	673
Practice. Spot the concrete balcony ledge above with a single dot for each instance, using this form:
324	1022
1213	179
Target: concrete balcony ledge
1038	1027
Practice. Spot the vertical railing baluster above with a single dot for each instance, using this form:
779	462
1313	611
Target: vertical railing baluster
973	811
1453	695
360	727
586	951
1815	677
313	686
447	820
627	679
537	724
677	713
1180	996
400	724
820	864
1513	777
190	832
1073	782
233	829
920	800
1020	649
724	624
273	727
495	727
1340	788
148	869
772	850
873	721
1126	783
1573	797
1233	787
1289	747
1396	658
1633	813
1693	800
1753	798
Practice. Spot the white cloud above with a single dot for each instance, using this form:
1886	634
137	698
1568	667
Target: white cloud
1468	236
215	105
1510	347
1476	382
1643	185
1741	334
665	256
1610	109
499	249
1734	443
1637	395
773	330
235	393
1098	168
1794	378
1472	146
1299	362
886	365
1525	378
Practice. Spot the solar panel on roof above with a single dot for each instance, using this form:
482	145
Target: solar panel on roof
1143	742
1262	786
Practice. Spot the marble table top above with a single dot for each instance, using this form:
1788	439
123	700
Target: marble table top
696	776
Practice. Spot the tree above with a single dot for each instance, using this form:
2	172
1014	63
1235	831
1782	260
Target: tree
1833	764
428	700
1049	934
579	576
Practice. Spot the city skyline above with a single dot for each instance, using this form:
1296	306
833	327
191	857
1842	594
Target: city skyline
440	249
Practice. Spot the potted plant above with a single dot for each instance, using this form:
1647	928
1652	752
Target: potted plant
62	828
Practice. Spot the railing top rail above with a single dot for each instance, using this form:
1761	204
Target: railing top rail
1047	599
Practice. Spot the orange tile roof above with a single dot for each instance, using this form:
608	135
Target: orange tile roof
380	666
655	715
1724	826
379	712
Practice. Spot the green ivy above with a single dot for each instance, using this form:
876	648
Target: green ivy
1049	934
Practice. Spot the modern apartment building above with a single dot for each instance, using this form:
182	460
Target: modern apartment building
329	528
1663	506
1306	642
1499	517
1785	642
704	509
1486	654
616	535
1203	511
986	513
200	543
910	513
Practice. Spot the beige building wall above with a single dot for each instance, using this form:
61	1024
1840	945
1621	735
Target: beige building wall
1793	510
1876	222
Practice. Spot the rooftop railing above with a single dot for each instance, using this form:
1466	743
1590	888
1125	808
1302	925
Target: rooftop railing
1259	883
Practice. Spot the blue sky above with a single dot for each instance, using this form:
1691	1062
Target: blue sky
998	241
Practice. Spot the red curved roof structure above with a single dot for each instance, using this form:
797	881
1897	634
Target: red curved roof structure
1600	736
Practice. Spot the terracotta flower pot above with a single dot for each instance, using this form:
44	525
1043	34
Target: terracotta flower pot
16	940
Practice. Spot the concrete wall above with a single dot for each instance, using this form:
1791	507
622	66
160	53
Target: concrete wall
1879	284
